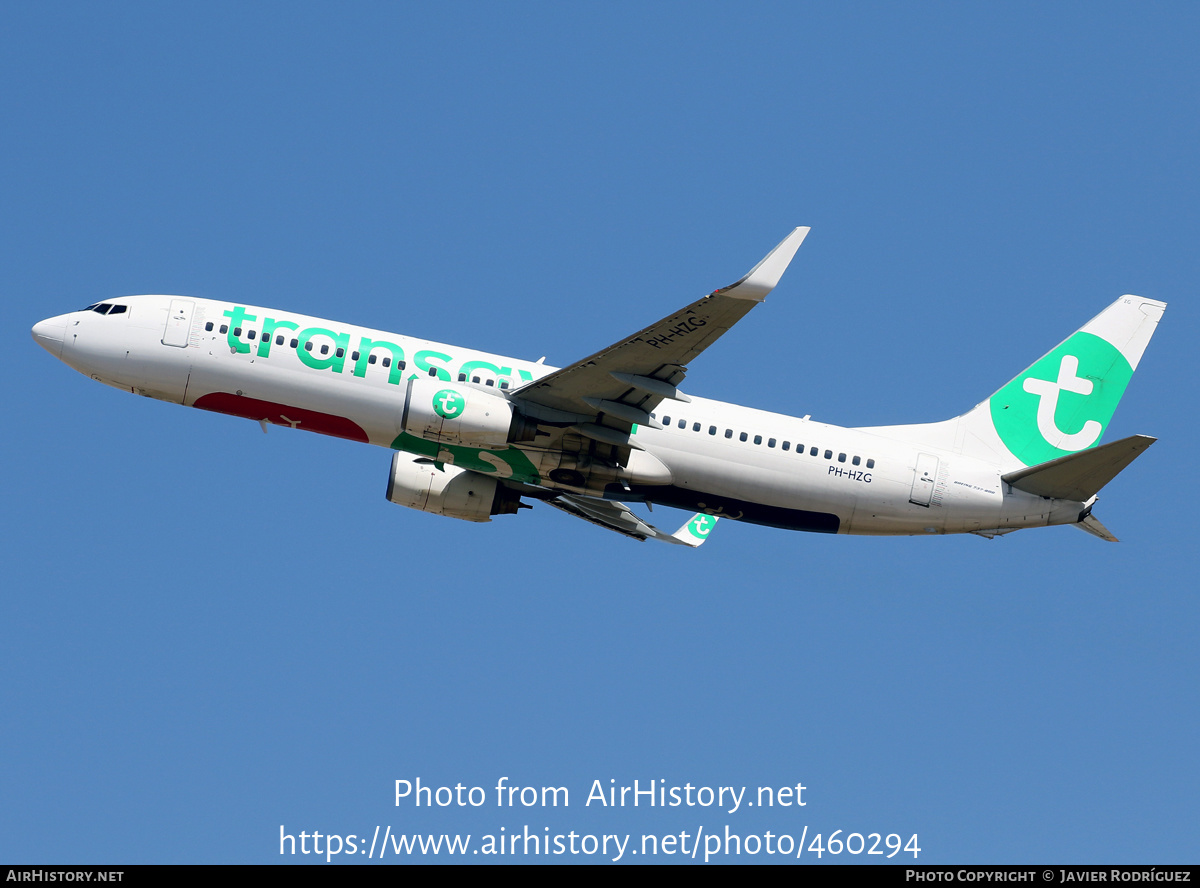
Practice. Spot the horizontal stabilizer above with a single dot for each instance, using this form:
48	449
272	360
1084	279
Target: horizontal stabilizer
696	531
1092	525
1079	476
619	517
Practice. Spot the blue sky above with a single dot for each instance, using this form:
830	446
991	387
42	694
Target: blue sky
210	633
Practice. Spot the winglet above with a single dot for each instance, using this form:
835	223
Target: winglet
696	531
762	278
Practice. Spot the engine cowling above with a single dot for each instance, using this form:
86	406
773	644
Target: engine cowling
451	413
448	490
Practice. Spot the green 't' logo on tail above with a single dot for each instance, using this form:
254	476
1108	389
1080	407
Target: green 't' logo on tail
1063	403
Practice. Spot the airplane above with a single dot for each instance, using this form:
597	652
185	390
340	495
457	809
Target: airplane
477	435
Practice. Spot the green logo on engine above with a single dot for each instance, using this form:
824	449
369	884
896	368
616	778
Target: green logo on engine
1063	403
448	404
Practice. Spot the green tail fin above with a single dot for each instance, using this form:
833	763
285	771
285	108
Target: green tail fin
1063	402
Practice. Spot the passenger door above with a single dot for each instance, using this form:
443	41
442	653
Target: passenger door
924	476
179	323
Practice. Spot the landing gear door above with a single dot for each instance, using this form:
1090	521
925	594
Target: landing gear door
179	323
924	477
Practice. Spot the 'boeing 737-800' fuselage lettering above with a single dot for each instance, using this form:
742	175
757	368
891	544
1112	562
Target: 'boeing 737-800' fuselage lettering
477	434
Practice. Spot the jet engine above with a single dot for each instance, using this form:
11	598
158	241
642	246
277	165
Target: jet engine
444	489
452	413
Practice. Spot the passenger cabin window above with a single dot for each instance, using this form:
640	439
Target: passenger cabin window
308	346
237	331
743	436
354	356
787	445
683	423
294	343
770	442
387	362
729	433
279	339
341	353
758	439
856	460
841	457
250	335
462	377
208	327
371	360
504	385
812	452
712	430
224	328
829	454
870	464
667	421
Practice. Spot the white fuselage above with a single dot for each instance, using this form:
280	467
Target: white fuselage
737	462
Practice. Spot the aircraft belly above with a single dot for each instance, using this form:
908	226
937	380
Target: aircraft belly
742	510
746	492
239	385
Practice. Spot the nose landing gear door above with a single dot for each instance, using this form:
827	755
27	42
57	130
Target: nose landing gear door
179	323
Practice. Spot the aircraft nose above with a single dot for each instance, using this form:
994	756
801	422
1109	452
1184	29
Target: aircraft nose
49	334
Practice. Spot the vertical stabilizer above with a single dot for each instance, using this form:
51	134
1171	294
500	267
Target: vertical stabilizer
1061	404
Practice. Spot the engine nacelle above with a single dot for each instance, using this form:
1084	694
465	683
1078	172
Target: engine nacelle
449	490
451	413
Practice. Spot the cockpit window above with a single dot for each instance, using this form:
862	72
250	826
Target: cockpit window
106	308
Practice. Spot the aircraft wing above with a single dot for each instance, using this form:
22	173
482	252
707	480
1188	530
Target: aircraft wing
619	517
603	395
